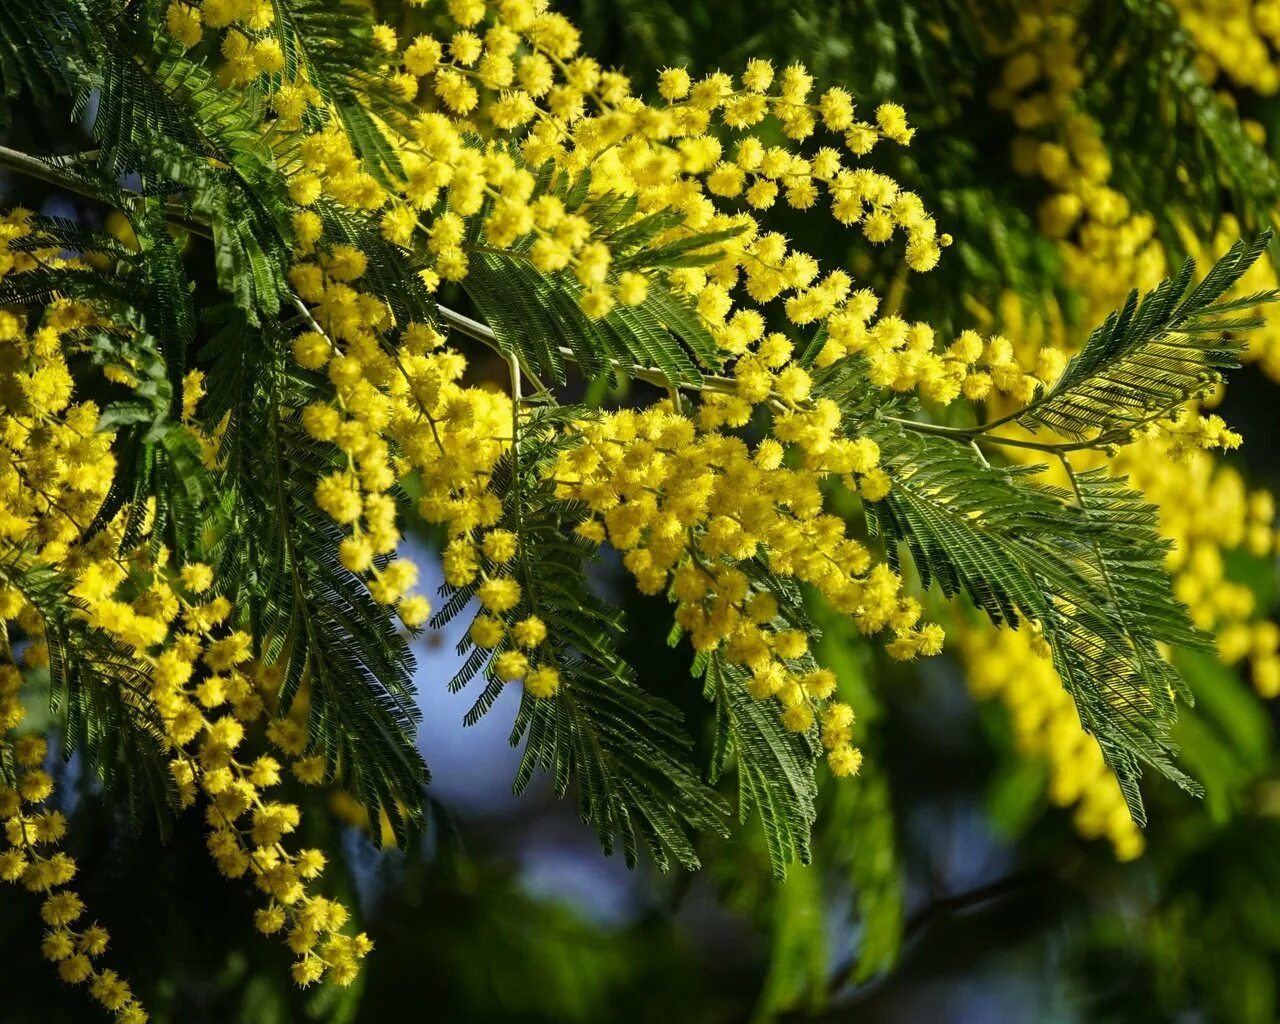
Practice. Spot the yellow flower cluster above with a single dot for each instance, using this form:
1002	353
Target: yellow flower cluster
484	558
408	400
210	440
205	701
687	507
53	458
1014	666
1264	343
195	665
28	856
709	157
249	49
1107	247
196	671
1223	516
513	69
1239	39
905	356
1205	508
57	472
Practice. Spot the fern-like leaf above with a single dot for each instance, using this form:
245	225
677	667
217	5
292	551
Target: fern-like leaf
623	747
1150	357
1086	568
775	768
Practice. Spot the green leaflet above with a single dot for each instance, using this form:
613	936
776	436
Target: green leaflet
530	311
32	45
625	749
1150	357
1091	573
100	699
775	768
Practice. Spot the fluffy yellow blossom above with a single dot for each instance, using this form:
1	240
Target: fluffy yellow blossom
684	501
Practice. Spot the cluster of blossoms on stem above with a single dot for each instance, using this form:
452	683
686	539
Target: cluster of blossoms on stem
397	409
191	665
513	72
1107	247
52	459
205	701
196	672
686	508
57	468
511	145
508	104
1236	39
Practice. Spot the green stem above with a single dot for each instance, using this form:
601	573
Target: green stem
33	167
24	163
976	435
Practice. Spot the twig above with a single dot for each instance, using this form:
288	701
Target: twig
24	163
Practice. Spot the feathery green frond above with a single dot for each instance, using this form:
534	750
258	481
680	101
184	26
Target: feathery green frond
1149	358
625	749
1089	573
774	767
98	693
